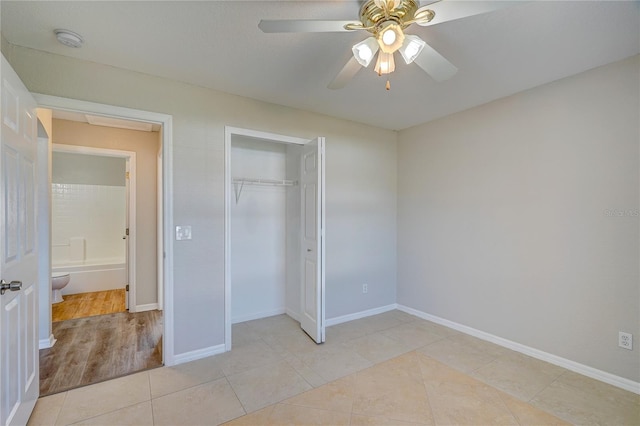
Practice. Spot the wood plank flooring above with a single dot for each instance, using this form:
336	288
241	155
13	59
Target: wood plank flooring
89	304
98	348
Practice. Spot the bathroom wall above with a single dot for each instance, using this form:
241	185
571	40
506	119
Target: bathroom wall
88	210
145	145
88	169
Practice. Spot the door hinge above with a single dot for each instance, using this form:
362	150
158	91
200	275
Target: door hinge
126	287
126	175
126	232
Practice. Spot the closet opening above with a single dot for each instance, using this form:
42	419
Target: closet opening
274	250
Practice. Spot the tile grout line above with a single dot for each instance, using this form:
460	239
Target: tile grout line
64	400
153	420
508	408
558	415
238	398
107	412
546	387
426	392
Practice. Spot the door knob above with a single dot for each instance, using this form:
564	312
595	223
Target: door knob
12	286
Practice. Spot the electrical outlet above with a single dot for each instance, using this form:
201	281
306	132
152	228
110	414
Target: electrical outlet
625	340
365	288
183	232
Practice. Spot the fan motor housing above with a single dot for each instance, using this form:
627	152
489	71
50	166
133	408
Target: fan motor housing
371	15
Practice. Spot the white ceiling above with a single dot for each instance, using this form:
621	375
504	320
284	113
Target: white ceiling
217	44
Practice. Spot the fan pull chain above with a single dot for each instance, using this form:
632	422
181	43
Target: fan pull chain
388	85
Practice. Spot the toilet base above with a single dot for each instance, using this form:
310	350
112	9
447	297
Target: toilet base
56	296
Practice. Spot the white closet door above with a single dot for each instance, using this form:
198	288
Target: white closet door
312	185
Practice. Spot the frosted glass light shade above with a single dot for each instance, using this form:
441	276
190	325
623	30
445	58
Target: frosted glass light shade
385	63
411	48
365	51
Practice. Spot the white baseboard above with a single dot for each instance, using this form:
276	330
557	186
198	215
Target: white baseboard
258	315
293	315
576	367
198	354
358	315
147	307
47	343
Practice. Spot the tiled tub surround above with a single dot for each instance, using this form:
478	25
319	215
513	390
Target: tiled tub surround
391	368
93	213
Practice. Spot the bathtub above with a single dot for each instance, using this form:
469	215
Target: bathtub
93	275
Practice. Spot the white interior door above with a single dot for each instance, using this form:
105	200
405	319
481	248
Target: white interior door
19	369
312	186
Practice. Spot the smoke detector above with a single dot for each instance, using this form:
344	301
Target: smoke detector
69	38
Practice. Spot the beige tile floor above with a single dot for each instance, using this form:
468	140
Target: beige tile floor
389	369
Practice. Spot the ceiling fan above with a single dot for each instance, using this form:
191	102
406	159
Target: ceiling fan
386	21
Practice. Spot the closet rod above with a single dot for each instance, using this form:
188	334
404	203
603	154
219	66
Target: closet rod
254	181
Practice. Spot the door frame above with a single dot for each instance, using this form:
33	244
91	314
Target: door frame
130	158
165	203
230	131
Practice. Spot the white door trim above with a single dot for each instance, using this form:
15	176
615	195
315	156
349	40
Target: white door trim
228	133
130	158
159	239
165	258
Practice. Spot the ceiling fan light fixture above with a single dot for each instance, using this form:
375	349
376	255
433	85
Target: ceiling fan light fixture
411	48
365	51
385	63
390	37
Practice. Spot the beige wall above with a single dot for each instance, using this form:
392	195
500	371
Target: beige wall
520	217
145	145
46	119
360	185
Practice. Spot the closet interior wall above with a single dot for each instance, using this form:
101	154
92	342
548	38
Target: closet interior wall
265	229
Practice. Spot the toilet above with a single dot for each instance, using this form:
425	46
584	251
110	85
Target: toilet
58	281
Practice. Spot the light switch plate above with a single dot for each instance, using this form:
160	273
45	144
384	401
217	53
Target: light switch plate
183	232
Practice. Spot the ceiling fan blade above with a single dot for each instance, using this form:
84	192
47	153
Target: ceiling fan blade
452	10
434	64
303	26
350	69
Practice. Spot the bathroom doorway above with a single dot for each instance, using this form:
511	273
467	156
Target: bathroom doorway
93	201
105	173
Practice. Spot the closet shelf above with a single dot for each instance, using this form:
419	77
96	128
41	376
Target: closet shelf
240	182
